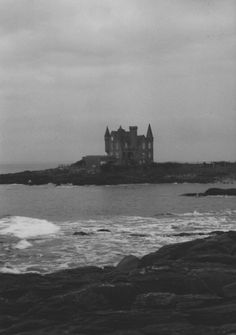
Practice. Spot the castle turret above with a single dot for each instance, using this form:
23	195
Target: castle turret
107	137
149	139
133	136
149	132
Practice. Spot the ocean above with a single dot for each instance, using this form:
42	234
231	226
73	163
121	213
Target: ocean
48	228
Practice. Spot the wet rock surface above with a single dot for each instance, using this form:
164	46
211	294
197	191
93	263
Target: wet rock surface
187	288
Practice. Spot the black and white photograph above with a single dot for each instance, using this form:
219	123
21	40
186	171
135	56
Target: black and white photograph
118	167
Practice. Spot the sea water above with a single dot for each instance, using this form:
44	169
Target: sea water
48	228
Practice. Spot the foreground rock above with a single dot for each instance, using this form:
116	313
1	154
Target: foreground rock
214	192
187	288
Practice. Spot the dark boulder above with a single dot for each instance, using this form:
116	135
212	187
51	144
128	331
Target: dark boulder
128	263
218	246
81	233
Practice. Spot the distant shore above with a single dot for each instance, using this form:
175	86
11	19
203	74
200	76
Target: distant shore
114	175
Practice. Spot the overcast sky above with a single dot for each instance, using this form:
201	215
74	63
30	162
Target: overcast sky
69	68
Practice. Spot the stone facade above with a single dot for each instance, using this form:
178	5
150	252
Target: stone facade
129	148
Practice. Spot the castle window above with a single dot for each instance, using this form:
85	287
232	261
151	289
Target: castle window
126	145
112	138
149	145
144	145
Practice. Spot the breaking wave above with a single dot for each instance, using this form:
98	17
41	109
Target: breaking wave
23	244
26	227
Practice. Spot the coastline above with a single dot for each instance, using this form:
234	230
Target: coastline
187	287
116	175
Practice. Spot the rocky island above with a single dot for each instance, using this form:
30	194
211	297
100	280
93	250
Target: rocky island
108	174
186	288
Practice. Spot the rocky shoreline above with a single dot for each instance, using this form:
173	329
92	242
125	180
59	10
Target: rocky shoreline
186	288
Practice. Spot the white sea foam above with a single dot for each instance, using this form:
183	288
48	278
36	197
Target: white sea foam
23	244
17	269
194	213
25	227
6	269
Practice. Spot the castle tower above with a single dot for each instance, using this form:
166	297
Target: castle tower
107	138
149	139
133	136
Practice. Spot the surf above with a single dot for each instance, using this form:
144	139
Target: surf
27	227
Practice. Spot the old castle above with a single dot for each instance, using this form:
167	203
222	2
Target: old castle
127	147
122	148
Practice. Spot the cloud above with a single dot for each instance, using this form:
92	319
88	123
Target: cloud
98	62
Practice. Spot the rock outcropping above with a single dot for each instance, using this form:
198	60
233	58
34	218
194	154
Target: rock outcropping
214	192
187	288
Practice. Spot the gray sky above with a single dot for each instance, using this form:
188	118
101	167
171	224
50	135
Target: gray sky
69	68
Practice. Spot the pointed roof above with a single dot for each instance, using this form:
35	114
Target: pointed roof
149	132
120	129
107	133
